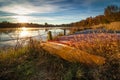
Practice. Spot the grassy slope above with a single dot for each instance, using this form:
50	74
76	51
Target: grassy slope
110	26
33	63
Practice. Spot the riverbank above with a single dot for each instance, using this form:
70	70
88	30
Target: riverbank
32	62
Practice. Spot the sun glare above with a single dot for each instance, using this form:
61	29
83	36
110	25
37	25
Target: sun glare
24	32
22	19
24	29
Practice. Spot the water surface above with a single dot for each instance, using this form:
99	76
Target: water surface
11	36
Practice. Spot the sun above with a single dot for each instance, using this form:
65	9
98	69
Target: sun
22	19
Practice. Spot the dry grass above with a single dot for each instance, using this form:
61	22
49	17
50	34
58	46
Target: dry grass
110	26
113	26
31	62
102	44
34	63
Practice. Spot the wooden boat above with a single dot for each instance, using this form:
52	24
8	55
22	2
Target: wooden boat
72	54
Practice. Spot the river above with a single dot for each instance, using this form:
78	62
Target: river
11	36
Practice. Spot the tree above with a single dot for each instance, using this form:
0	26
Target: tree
46	24
112	12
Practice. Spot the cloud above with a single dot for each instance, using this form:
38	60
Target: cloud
23	9
59	11
85	2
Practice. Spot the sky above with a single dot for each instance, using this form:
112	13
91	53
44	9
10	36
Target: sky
52	11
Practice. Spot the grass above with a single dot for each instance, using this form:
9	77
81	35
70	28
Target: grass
102	44
16	64
31	62
99	44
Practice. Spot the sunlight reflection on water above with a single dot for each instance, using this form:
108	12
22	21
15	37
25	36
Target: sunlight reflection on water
10	36
24	32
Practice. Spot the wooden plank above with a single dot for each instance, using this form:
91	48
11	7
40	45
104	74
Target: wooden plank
72	54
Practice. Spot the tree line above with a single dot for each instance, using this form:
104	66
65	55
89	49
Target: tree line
111	14
6	24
